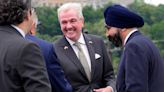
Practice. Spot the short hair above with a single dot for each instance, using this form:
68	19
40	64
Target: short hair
75	6
13	11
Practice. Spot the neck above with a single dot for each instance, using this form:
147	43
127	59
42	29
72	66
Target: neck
23	27
125	32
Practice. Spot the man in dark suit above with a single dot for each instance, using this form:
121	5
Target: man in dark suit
83	56
22	67
141	66
56	74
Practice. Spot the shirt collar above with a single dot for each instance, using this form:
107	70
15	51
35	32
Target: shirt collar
130	33
19	30
81	40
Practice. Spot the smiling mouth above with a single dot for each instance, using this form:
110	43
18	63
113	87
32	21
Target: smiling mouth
70	30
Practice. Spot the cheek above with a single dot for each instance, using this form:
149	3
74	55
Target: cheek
109	33
62	27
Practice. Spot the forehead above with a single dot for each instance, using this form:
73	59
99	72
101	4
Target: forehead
68	14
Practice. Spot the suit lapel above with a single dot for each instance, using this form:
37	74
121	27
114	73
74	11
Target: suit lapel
90	46
69	52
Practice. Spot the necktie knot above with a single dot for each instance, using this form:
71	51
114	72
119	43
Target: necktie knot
77	44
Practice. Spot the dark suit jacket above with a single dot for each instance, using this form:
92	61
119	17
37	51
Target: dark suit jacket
101	68
141	66
22	67
56	74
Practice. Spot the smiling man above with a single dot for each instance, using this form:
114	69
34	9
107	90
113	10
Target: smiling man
83	57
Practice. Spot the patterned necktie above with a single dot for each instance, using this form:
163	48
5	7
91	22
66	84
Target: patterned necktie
83	60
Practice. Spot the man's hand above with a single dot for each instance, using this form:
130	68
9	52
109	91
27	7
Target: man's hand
107	89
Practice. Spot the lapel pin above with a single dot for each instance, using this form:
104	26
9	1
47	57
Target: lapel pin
65	47
90	42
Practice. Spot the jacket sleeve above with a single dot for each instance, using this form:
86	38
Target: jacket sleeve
108	71
56	74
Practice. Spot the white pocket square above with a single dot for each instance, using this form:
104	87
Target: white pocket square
97	56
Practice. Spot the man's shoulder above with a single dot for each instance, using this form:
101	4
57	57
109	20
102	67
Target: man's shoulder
18	44
60	41
37	40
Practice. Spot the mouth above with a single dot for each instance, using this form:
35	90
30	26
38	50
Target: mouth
70	31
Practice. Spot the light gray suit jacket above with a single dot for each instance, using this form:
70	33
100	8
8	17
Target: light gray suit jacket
102	74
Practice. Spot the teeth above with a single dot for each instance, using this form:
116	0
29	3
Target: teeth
70	30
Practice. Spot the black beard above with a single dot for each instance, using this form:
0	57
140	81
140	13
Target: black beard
116	40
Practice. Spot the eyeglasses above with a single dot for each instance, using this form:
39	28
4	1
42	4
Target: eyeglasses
107	27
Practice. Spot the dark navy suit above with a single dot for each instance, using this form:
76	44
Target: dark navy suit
141	67
56	74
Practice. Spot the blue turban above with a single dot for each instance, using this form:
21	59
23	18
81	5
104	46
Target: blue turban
120	17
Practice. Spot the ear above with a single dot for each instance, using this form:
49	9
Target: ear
31	11
33	29
83	21
123	31
29	14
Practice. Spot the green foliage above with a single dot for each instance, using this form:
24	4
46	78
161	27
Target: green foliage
157	31
49	21
160	45
91	15
115	63
98	28
48	37
146	29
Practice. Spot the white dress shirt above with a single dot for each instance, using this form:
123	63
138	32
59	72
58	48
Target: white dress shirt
19	30
126	39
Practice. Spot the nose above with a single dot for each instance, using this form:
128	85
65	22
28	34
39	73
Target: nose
69	25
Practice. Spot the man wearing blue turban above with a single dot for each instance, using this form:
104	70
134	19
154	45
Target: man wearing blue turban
141	67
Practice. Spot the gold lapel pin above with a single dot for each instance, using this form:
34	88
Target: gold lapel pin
90	42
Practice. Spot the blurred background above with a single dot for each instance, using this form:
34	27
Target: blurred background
151	10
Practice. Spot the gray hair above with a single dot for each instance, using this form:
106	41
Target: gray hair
75	6
35	17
